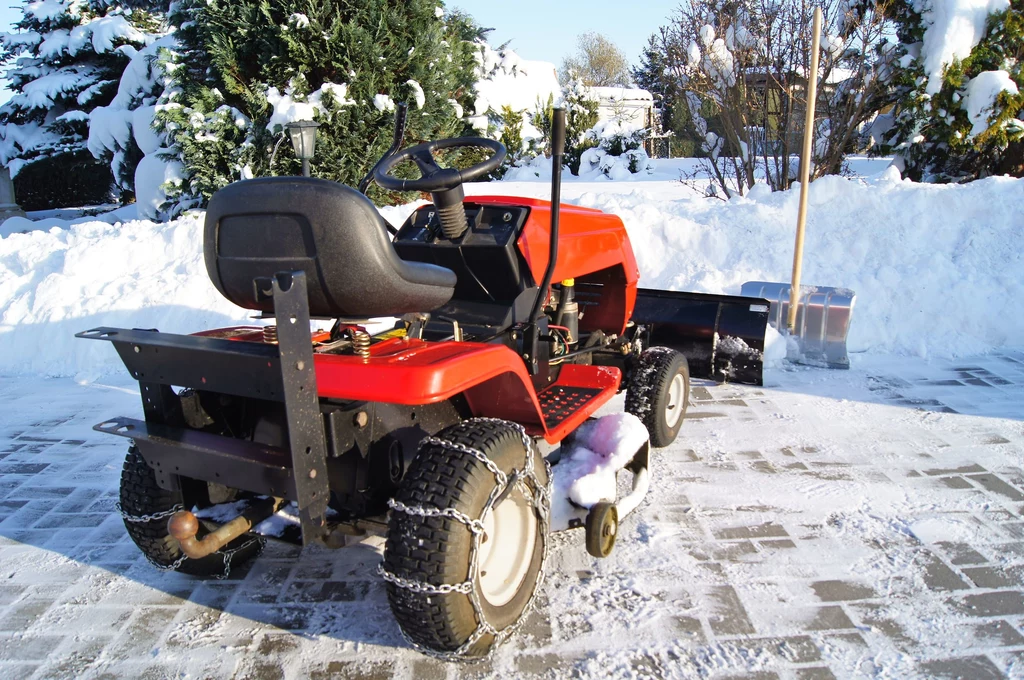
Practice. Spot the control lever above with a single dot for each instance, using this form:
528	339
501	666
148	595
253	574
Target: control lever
400	113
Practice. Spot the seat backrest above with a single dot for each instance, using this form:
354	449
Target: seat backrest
257	228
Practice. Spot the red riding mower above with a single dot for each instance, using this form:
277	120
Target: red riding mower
519	319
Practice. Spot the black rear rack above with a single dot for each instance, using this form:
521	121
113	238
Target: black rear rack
283	373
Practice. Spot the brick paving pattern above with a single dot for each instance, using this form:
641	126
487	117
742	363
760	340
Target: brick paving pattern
787	535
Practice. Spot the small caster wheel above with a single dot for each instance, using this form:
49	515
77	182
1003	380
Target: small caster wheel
602	527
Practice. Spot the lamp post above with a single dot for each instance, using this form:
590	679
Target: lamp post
303	136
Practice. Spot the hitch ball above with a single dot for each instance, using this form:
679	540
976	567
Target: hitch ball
183	525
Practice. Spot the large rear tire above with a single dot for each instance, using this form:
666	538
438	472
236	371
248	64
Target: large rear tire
140	497
427	553
659	392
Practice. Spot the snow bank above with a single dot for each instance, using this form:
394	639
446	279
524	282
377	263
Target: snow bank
936	268
137	274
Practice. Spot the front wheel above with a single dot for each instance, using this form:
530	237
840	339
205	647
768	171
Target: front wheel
659	392
467	537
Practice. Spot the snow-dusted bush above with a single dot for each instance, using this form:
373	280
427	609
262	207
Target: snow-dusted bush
64	61
344	65
510	122
619	152
580	104
960	113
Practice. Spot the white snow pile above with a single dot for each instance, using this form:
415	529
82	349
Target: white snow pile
954	27
129	117
980	96
383	102
504	79
15	225
136	274
935	267
586	472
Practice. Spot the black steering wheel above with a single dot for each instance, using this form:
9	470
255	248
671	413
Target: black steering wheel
435	178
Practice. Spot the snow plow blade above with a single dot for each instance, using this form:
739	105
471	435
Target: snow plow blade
822	319
722	336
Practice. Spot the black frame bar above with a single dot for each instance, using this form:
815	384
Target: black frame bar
283	373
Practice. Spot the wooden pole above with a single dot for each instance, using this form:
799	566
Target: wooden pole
805	172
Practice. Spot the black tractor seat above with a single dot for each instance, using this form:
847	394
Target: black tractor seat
257	228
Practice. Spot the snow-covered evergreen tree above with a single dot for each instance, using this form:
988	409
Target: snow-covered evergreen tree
246	68
961	111
580	104
64	61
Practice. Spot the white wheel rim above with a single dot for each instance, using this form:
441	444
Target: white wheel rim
674	401
505	556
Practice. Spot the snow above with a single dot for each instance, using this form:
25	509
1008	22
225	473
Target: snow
148	139
54	43
953	28
41	92
131	115
586	472
383	102
929	263
105	31
22	40
775	348
152	173
980	96
100	34
600	161
338	91
505	79
289	108
110	128
49	10
222	512
136	274
417	93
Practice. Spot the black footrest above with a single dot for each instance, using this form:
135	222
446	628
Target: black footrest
558	402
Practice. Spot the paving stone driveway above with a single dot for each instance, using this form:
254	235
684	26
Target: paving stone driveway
832	524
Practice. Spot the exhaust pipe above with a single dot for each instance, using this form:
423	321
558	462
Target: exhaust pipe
183	526
557	151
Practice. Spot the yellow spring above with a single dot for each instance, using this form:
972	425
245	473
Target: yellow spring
270	335
361	344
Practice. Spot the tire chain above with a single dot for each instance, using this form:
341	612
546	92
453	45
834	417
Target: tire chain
226	555
140	519
539	499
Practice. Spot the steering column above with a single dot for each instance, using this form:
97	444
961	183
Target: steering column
444	184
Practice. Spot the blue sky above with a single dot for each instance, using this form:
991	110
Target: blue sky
548	30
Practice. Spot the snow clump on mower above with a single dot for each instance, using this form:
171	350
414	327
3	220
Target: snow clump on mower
585	474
